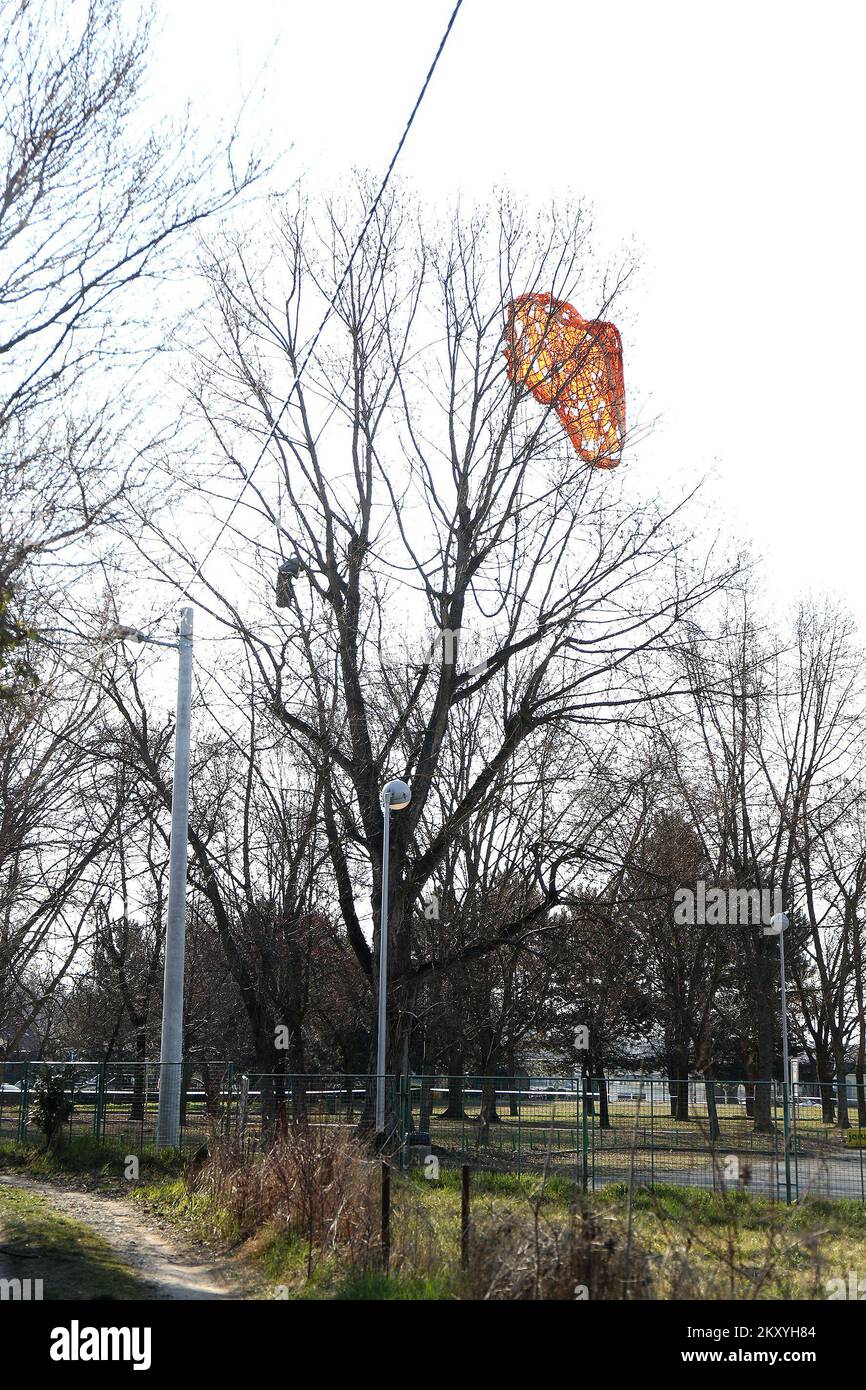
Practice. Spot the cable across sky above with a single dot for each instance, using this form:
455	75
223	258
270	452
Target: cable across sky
314	341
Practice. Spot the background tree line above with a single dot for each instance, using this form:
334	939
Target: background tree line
583	693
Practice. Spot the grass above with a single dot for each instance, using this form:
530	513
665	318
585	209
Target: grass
741	1245
85	1155
278	1259
752	1212
73	1262
700	1243
375	1285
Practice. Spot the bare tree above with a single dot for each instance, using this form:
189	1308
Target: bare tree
425	495
258	854
96	204
59	816
774	735
821	697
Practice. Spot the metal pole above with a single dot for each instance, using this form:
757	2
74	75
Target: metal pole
785	1069
383	969
171	1044
464	1217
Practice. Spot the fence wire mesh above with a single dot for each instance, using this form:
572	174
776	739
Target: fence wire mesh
118	1103
648	1131
721	1134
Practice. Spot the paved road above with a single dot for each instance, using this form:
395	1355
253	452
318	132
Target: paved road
816	1177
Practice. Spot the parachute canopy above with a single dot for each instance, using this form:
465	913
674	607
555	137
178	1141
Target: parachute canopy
573	364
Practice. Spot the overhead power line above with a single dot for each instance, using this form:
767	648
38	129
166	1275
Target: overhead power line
313	343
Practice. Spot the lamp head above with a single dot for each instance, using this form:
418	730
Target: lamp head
778	924
396	794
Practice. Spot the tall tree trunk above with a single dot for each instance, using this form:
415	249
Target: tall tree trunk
454	1109
678	1082
860	997
263	1081
137	1111
426	1103
489	1113
683	1098
603	1105
212	1088
712	1110
825	1083
297	1077
513	1107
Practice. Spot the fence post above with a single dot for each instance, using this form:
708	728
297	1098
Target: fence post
22	1104
795	1143
774	1105
577	1130
404	1110
585	1138
464	1217
228	1113
386	1216
652	1135
786	1129
243	1110
99	1107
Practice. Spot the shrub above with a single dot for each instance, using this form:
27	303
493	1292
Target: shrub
314	1183
52	1106
526	1257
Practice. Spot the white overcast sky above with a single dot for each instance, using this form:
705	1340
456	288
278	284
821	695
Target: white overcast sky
723	143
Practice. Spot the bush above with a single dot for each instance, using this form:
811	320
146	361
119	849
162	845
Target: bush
314	1184
530	1258
52	1106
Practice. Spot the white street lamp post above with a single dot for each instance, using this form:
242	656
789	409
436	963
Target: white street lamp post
395	796
778	926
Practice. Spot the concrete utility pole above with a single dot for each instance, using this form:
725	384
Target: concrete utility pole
171	1044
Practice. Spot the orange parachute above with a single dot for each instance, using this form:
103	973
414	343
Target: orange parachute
575	365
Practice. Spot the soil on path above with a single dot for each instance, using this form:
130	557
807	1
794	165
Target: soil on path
151	1251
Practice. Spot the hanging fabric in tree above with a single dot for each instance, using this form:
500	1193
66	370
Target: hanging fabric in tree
288	570
573	364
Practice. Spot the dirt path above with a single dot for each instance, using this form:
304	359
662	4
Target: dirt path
151	1252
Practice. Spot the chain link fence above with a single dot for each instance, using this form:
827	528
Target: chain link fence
118	1103
720	1134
